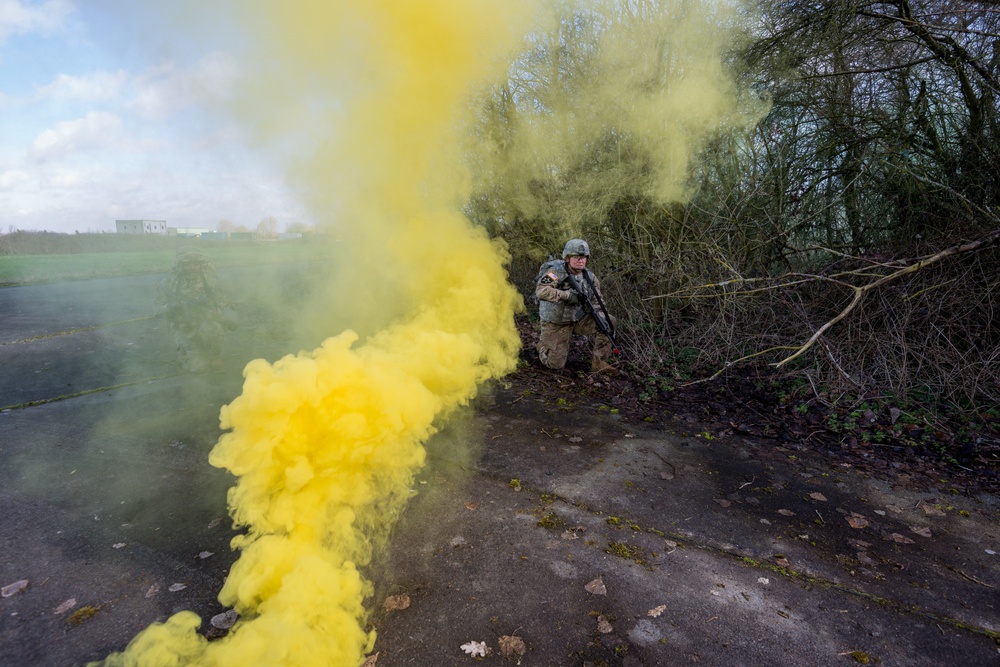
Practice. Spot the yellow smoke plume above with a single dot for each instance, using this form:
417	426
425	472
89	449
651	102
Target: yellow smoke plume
324	444
371	98
612	100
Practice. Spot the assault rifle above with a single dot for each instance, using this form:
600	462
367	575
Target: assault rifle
601	319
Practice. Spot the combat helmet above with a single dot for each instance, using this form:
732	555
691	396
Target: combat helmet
576	247
187	255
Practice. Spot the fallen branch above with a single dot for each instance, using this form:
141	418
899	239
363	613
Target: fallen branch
861	291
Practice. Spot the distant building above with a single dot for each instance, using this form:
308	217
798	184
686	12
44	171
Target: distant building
187	232
141	226
214	236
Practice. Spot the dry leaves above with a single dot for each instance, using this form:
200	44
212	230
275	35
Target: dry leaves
225	620
857	521
396	602
901	539
153	590
471	505
370	661
14	588
176	587
922	531
816	495
596	587
511	646
65	606
722	501
786	512
656	611
931	510
603	626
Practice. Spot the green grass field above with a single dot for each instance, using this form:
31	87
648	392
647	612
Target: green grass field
36	269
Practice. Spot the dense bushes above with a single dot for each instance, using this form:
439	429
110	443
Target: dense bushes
857	222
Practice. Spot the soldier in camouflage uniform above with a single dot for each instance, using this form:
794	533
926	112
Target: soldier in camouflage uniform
560	310
196	309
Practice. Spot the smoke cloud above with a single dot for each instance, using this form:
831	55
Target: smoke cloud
611	99
371	102
324	444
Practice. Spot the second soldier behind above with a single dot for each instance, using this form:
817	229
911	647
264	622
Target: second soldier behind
196	310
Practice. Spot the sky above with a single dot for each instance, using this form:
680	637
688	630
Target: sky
108	113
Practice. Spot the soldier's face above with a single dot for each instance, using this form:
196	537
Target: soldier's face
577	263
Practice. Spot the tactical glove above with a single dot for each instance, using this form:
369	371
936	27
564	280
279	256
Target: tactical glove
571	297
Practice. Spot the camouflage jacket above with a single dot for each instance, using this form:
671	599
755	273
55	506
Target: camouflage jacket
553	289
190	298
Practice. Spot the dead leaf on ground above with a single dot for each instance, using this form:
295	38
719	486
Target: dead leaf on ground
176	587
930	510
205	554
901	539
370	660
396	602
894	508
656	611
857	521
603	626
666	475
722	501
65	606
570	535
471	505
512	645
865	559
816	495
153	590
225	620
786	512
596	587
14	588
922	531
782	561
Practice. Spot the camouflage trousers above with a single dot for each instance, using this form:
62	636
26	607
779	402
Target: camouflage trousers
198	347
553	344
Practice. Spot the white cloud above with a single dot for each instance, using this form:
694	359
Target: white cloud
98	129
18	17
12	178
164	89
68	178
96	87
